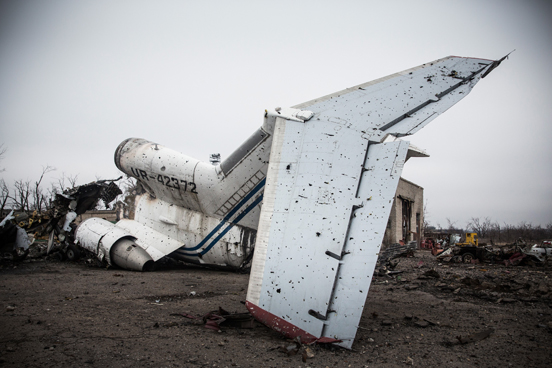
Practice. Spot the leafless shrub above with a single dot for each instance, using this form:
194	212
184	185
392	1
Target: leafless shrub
4	195
508	233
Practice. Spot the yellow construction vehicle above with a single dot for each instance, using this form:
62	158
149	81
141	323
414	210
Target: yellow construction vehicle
470	249
471	241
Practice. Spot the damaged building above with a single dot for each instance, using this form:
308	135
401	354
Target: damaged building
407	215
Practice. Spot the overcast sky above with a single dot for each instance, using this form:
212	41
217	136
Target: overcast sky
79	77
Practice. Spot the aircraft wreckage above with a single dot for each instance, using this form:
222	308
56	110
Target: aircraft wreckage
310	191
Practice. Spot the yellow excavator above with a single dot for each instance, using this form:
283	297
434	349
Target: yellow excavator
464	252
471	241
470	249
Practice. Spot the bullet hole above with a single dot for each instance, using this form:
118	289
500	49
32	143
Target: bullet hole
278	290
318	234
288	167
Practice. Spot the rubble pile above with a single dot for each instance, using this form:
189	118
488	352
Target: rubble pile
497	282
22	233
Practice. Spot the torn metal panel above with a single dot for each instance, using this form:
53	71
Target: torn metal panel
72	203
541	252
13	238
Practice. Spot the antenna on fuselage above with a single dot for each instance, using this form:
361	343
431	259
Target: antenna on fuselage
214	158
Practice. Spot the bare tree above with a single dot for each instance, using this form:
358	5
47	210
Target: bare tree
39	199
480	226
495	233
21	196
27	197
426	215
61	182
2	152
130	188
72	180
4	195
451	224
507	233
528	232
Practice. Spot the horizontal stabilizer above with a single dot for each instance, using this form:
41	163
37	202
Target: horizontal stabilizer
402	103
157	245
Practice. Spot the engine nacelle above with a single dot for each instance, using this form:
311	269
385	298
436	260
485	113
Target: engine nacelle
112	244
126	254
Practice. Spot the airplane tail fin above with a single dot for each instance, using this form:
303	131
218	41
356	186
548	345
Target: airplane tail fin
330	186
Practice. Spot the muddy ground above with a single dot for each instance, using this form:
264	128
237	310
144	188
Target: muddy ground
63	314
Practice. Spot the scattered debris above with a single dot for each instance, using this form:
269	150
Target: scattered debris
471	251
475	337
213	320
432	273
72	203
295	347
309	352
13	239
541	252
18	230
397	250
422	324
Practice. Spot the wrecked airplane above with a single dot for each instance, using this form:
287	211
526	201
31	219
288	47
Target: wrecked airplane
310	192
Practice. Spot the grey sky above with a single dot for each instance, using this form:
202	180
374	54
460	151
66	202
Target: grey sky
78	77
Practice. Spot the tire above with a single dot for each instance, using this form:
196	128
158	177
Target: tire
468	257
60	256
72	253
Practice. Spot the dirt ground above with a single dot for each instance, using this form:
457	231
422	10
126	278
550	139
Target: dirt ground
63	314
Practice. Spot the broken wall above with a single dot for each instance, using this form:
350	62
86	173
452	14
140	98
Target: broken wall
407	215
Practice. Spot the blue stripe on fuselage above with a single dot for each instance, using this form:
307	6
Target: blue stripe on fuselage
226	220
230	226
